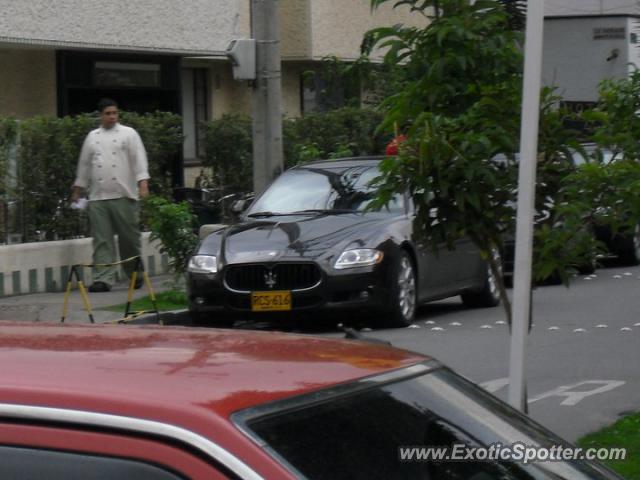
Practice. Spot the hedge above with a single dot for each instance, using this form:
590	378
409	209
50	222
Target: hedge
338	133
46	154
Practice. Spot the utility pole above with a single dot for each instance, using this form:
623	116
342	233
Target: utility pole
267	94
526	203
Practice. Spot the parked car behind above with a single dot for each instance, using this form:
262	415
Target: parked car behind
166	403
624	244
309	243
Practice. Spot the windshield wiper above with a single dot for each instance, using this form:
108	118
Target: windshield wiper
329	211
265	214
311	211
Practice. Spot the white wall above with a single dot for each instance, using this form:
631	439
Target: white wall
590	7
43	266
576	62
186	26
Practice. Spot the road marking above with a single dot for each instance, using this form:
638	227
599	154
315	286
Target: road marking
495	385
573	397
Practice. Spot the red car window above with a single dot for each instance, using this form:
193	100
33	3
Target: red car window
164	456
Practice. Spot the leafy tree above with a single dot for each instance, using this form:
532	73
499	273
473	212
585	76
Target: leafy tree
459	109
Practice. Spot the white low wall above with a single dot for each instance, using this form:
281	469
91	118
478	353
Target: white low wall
45	266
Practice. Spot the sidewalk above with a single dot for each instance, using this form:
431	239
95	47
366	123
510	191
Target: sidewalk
47	307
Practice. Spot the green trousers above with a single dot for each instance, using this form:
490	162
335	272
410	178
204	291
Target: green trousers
108	218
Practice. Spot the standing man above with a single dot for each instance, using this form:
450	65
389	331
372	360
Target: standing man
113	168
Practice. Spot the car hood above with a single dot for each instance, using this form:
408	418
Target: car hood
292	236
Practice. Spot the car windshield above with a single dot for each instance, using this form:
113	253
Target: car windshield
360	435
317	190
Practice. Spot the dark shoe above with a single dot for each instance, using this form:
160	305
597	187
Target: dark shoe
138	283
99	287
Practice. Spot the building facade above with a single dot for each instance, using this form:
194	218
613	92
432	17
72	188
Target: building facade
60	57
587	41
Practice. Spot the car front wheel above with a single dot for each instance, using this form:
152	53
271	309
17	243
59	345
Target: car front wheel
403	292
630	252
488	296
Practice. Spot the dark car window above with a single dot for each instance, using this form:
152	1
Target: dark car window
322	189
17	463
359	436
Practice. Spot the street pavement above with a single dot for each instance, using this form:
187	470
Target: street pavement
47	307
583	353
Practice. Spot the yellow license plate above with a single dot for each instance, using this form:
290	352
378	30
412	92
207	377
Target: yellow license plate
276	301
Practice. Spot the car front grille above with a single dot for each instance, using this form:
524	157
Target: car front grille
279	276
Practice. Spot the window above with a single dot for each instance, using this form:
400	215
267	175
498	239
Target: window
18	463
121	74
345	189
320	92
358	435
195	112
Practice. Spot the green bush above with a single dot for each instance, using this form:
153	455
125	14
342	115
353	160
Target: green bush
172	224
229	152
8	137
48	150
336	133
333	134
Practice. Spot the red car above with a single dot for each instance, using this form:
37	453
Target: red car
166	403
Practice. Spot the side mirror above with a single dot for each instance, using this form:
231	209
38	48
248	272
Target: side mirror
239	206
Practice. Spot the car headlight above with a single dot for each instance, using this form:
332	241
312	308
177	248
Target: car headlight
360	257
203	264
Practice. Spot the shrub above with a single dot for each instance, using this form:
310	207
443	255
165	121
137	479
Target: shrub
229	153
333	134
48	150
8	137
172	224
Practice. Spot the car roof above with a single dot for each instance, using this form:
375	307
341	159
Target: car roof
179	375
368	161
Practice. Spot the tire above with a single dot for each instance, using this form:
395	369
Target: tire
204	319
587	268
487	296
404	298
629	254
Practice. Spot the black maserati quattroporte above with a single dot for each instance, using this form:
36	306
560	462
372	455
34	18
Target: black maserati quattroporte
309	243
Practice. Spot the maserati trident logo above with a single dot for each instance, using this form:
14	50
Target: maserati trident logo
270	279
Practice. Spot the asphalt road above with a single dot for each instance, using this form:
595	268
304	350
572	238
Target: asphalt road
583	352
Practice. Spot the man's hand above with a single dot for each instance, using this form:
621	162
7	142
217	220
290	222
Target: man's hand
75	193
143	188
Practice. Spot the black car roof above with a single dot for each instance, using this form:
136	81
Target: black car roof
343	162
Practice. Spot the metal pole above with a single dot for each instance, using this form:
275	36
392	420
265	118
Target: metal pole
267	95
526	201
